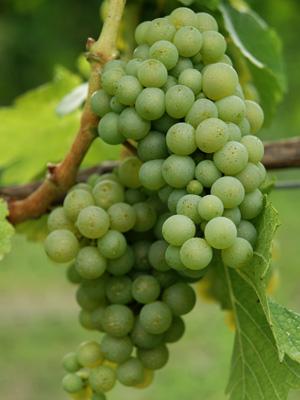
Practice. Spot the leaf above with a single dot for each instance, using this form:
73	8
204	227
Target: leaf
210	4
35	229
6	230
73	100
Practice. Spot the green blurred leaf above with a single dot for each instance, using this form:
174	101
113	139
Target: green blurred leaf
210	4
6	230
35	229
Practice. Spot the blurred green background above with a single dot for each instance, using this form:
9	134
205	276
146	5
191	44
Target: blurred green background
38	314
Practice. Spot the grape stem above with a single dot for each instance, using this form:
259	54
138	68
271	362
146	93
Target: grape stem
62	176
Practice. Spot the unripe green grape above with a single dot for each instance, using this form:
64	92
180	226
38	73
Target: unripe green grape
85	301
157	255
82	185
207	173
61	246
72	383
122	265
85	320
196	254
132	66
141	52
182	64
145	217
110	79
98	396
183	16
220	232
155	358
173	258
157	230
152	147
145	289
174	197
227	60
107	193
128	89
57	219
89	354
238	255
188	206
93	222
263	172
118	290
206	22
165	52
255	115
118	320
152	73
176	330
95	288
178	171
141	250
166	278
234	214
143	339
108	129
188	41
219	80
194	187
180	297
122	217
211	135
164	123
114	64
232	158
247	231
115	349
75	201
171	81
229	190
116	106
209	207
72	275
97	317
100	102
231	109
254	147
141	31
70	362
234	132
201	110
191	78
111	176
155	202
102	379
179	100
245	127
150	103
213	47
156	317
131	372
160	29
90	264
132	126
128	172
133	196
250	177
112	245
181	139
164	193
252	204
177	229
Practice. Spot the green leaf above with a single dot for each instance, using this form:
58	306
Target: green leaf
210	4
6	230
34	229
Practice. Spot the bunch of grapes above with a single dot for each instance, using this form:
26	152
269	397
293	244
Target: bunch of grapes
141	234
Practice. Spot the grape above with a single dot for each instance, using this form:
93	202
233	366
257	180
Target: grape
171	81
229	190
152	147
85	320
89	354
110	79
72	275
231	109
151	175
118	320
160	29
191	78
157	255
141	32
181	139
207	173
176	330
102	379
143	339
114	64
234	132
245	127
254	147
141	249
118	290
234	214
145	217
177	229
133	196
220	232
90	264
152	73
206	22
111	176
188	41
61	246
128	89
156	317
131	372
182	64
179	100
141	52
97	317
75	201
98	396
177	171
150	103
180	298
82	185
252	204
93	222
183	16
232	158
116	349
116	106
174	197
85	301
173	258
211	135
219	80
132	126
154	358
213	47
128	172
194	187
107	193
188	206
132	66
196	254
95	288
100	103
122	265
239	254
122	217
72	383
165	52
201	110
263	172
112	245
57	219
145	289
250	177
166	278
164	123
70	362
209	207
247	230
255	115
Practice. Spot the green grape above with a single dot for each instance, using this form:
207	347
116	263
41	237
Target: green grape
141	31
145	289
255	115
250	177
112	245
114	64
188	206
141	250
57	219
211	135
141	52
131	372
191	78
72	383
194	187
132	126
142	339
181	139
132	66
90	264
234	214
207	173
118	320
229	190
227	60
156	317
183	16
159	223
220	232
152	147
176	330
100	102
179	100
98	396
166	278
128	89
232	158
145	217
107	193
171	81
173	258
89	354
85	301
263	172
201	110
111	176
85	320
238	255
165	52
174	197
122	265
231	109
178	171
252	204
150	103
219	80
188	41
102	379
213	47
70	362
209	207
93	222
247	231
182	64
95	289
133	196
177	229
97	317
117	350
245	127
196	254
152	73
206	22
118	290
157	255
75	201
180	297
110	79
254	147
160	29
234	132
116	106
61	246
72	275
128	172
122	217
154	358
164	123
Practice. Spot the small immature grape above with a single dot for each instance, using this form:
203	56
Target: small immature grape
122	217
75	201
213	47
219	80
174	197
72	383
160	29
154	358
128	89
206	22
85	301
118	290
209	207
116	349
177	229
70	362
179	100
141	52
159	223
207	173
122	265
132	66
201	110
173	258
232	158
102	379
252	204
132	126
176	330
150	103
140	34
194	187
164	123
183	16
128	172
231	109
133	196
234	214
182	64
141	250
255	115
247	230
114	64
61	246
85	320
143	339
211	135
196	254
152	73
229	190
152	147
191	78
181	139
98	396
118	320
188	206
171	81
245	127
57	219
156	317
263	172
112	245
116	106
72	275
234	131
238	255
131	372
97	316
107	193
220	232
108	129
188	41
250	177
89	354
145	217
110	79
166	278
100	101
254	147
93	222
165	52
180	297
157	255
90	264
145	289
178	171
